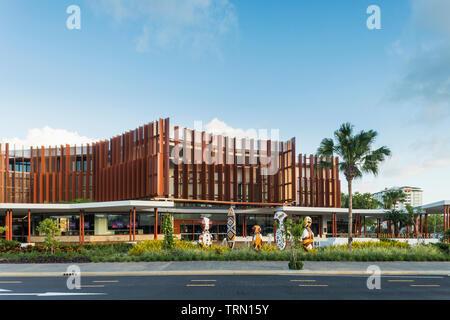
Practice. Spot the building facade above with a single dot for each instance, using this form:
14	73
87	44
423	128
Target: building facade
159	162
413	196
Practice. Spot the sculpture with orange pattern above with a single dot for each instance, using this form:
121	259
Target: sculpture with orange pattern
257	238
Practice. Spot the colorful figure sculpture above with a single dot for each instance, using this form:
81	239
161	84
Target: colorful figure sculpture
257	238
205	239
279	237
308	235
231	228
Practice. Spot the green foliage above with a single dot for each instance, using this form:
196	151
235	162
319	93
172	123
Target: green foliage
81	200
356	157
447	234
293	231
444	247
354	151
113	253
167	227
296	265
3	229
392	197
398	219
360	201
49	229
383	243
7	245
435	223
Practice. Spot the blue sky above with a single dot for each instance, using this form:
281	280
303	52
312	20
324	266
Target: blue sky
303	67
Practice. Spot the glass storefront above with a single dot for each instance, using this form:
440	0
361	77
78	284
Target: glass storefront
341	224
99	224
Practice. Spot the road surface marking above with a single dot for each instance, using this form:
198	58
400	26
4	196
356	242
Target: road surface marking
203	280
200	285
5	290
52	294
105	281
93	286
425	285
303	280
10	281
400	280
313	285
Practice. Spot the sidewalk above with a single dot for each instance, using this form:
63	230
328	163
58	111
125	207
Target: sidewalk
225	268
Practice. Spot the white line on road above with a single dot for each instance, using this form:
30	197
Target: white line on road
203	280
313	285
52	294
200	285
424	285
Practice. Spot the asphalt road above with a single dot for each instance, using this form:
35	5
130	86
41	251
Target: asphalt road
228	287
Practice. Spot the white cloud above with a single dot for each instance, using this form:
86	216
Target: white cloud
47	136
424	163
424	85
194	24
218	127
396	49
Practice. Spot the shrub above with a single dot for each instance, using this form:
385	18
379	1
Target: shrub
50	229
7	245
266	248
297	265
220	250
167	227
444	247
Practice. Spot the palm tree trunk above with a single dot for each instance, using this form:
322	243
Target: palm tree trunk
350	214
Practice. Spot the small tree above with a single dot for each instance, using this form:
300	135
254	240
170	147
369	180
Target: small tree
294	231
167	227
398	218
413	219
49	229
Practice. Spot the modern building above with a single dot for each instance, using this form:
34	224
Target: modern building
413	196
118	189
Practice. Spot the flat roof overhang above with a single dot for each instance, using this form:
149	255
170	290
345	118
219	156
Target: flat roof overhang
93	207
321	211
435	207
169	207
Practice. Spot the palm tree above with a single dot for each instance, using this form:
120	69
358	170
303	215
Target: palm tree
413	219
357	157
392	197
398	219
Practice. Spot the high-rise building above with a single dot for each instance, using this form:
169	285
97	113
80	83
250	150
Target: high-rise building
413	196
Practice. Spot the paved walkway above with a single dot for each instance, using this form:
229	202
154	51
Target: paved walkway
224	267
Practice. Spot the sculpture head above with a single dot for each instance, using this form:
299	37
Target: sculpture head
256	229
308	222
206	223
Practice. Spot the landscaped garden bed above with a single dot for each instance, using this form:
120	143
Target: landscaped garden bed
10	252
